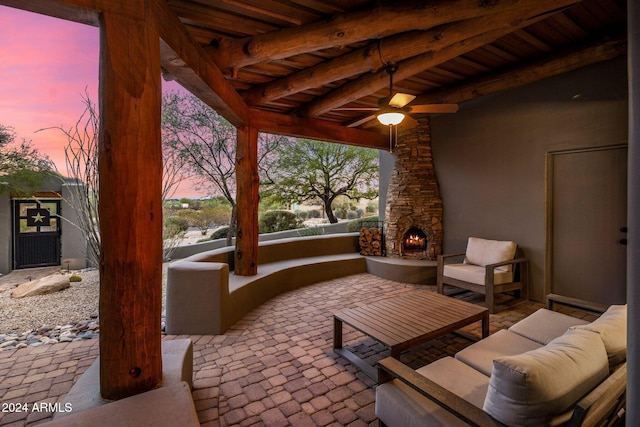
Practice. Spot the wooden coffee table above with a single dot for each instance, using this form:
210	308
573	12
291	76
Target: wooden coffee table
406	321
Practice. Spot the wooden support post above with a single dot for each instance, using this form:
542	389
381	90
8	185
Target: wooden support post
130	168
247	198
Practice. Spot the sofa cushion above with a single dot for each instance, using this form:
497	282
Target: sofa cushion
480	355
458	378
484	252
475	274
612	327
535	387
399	405
545	325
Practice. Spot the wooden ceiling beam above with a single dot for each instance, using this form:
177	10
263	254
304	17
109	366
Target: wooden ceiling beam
82	11
186	60
558	63
394	49
316	129
371	83
343	29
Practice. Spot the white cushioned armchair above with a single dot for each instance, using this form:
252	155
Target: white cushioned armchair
489	267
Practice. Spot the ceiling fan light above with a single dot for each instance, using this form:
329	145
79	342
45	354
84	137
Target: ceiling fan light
390	118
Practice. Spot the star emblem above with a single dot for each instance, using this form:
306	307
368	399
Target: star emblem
37	217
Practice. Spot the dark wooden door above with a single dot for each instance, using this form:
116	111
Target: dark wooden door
36	241
589	211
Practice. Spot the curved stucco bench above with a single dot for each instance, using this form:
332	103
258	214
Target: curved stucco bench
204	298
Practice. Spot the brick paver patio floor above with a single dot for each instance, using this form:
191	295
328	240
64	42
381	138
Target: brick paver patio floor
275	367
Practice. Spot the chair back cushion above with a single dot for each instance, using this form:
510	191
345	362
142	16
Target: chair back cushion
536	387
483	252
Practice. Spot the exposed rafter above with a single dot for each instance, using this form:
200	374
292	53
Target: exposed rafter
396	48
186	60
348	28
448	42
555	64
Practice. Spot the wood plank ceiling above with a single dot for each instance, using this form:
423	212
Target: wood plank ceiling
312	58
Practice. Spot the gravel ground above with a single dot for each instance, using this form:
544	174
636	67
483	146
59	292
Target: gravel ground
77	303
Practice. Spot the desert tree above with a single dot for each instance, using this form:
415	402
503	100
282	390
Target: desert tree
308	170
81	158
22	166
206	144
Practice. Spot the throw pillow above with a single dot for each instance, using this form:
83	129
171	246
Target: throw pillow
535	387
612	327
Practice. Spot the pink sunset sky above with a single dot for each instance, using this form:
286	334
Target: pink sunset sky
46	66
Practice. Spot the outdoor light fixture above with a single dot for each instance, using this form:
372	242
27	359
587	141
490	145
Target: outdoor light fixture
390	118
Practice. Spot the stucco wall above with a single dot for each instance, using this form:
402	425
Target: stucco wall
5	234
74	244
490	156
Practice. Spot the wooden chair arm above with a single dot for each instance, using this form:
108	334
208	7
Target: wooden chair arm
576	303
511	261
390	368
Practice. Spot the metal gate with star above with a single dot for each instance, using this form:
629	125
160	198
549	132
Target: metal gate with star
36	238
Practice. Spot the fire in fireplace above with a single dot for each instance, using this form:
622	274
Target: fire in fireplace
414	240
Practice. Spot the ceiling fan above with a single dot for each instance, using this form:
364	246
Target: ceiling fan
393	109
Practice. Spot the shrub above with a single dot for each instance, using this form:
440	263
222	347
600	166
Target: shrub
220	233
316	213
177	223
352	215
75	278
273	221
311	231
302	214
357	224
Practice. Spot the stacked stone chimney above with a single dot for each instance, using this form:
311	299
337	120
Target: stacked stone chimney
413	198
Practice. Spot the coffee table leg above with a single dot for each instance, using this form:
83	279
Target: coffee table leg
396	351
485	326
337	333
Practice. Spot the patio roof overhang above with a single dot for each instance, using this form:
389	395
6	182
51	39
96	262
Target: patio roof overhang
289	67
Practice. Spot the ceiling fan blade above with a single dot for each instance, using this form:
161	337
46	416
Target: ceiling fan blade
401	99
434	108
409	122
357	109
361	120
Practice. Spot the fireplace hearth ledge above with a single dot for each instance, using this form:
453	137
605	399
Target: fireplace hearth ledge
414	271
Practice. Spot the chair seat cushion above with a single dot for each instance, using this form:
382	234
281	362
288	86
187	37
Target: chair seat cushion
612	327
545	325
399	405
475	274
480	355
483	252
534	388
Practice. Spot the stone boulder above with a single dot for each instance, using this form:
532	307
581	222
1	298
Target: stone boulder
45	285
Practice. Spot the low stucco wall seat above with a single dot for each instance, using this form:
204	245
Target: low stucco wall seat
204	298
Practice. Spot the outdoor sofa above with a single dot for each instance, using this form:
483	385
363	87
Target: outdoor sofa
548	369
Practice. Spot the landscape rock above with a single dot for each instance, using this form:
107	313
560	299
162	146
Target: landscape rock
45	285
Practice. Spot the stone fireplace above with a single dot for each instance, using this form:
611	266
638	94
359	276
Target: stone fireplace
413	213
